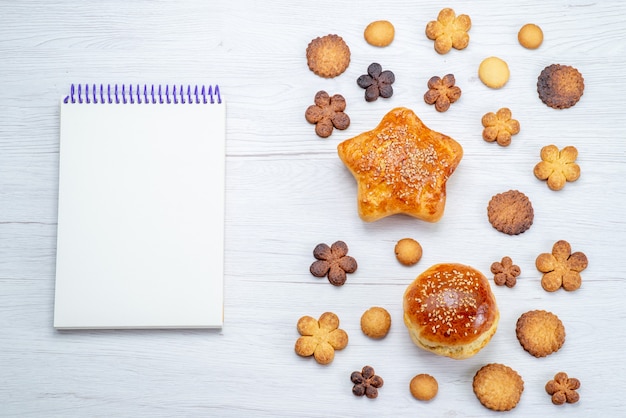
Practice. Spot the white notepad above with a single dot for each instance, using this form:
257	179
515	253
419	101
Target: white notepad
141	208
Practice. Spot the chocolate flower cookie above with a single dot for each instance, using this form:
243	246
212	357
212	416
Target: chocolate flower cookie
505	272
327	113
377	83
333	262
366	382
442	92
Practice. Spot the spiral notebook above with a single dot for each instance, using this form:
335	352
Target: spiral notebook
140	240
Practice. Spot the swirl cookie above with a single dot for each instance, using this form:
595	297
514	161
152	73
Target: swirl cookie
560	86
328	56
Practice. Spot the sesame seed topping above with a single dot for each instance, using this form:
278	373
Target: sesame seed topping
450	301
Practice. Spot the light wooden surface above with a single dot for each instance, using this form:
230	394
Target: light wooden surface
287	191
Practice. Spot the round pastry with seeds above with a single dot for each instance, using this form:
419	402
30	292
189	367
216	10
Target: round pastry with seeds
450	310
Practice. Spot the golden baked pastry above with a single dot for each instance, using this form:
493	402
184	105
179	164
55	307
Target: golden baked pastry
375	322
320	337
510	212
557	167
561	268
540	332
500	126
498	387
408	251
401	166
530	36
424	387
450	310
494	72
379	33
449	31
560	86
328	56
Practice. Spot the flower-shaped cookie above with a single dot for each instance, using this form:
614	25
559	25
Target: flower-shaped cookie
377	83
326	113
320	338
561	267
505	272
366	382
442	92
557	167
449	31
563	389
333	262
500	126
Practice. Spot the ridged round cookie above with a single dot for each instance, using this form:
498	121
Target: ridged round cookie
498	387
328	56
540	332
510	212
560	86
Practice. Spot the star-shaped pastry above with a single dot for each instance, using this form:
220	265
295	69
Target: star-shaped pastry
401	166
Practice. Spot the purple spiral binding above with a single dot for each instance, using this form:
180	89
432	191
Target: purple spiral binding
143	94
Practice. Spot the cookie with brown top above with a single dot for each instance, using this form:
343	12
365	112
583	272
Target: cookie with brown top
498	387
540	332
560	86
510	212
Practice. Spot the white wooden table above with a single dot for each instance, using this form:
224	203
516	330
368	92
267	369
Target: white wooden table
287	191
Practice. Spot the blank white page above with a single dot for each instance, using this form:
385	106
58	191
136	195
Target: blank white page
141	216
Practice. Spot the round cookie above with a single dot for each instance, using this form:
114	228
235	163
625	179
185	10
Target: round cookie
540	332
510	212
408	251
530	36
328	56
498	387
375	322
424	387
494	72
379	33
560	86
